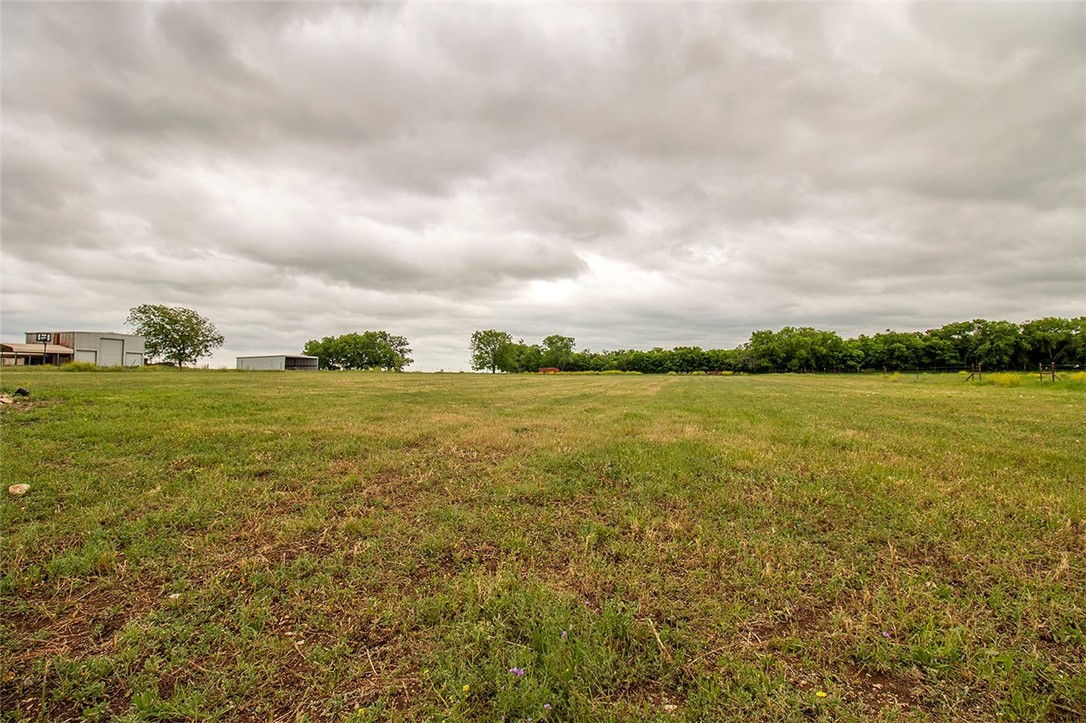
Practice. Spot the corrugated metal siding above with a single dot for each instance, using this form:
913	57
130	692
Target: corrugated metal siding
110	352
86	340
263	363
88	345
278	362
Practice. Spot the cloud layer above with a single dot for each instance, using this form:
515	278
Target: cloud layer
632	175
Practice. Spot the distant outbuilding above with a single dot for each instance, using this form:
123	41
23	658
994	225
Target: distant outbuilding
279	362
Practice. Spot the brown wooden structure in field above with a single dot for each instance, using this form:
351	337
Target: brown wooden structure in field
1049	369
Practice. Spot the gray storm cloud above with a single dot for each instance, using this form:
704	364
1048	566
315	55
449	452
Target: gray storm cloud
632	175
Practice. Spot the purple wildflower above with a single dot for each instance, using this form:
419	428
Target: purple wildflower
546	706
565	635
517	671
885	634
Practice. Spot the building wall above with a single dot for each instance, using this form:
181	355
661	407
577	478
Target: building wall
99	347
303	363
278	362
263	363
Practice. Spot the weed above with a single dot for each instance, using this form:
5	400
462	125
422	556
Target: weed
80	367
1004	379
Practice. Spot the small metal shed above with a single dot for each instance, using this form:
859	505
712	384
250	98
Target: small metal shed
279	362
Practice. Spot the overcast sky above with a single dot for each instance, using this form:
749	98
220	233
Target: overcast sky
633	175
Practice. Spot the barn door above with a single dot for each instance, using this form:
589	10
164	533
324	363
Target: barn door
111	353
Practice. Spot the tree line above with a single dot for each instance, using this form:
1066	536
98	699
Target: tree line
182	335
368	350
994	345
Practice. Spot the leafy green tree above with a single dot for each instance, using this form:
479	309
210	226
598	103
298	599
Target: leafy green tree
174	333
852	357
491	349
368	350
1050	340
1078	345
688	359
758	354
997	343
957	343
793	349
721	360
525	357
895	350
557	351
941	351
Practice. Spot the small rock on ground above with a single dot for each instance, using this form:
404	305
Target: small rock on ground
19	489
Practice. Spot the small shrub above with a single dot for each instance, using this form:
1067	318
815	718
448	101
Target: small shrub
79	367
1004	379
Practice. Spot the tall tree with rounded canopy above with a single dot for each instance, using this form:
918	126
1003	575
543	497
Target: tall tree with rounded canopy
490	349
174	333
1051	339
557	350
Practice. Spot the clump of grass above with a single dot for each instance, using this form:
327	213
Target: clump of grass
1004	379
150	368
1078	377
80	366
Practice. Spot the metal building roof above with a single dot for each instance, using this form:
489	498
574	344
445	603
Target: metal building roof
32	349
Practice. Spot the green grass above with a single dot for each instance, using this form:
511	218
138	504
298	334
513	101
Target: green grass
202	545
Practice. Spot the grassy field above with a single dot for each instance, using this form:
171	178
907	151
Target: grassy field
219	545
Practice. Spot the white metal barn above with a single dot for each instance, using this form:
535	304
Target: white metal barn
279	362
104	348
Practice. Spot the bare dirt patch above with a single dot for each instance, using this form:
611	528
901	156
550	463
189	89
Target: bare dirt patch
802	621
880	690
74	625
79	623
